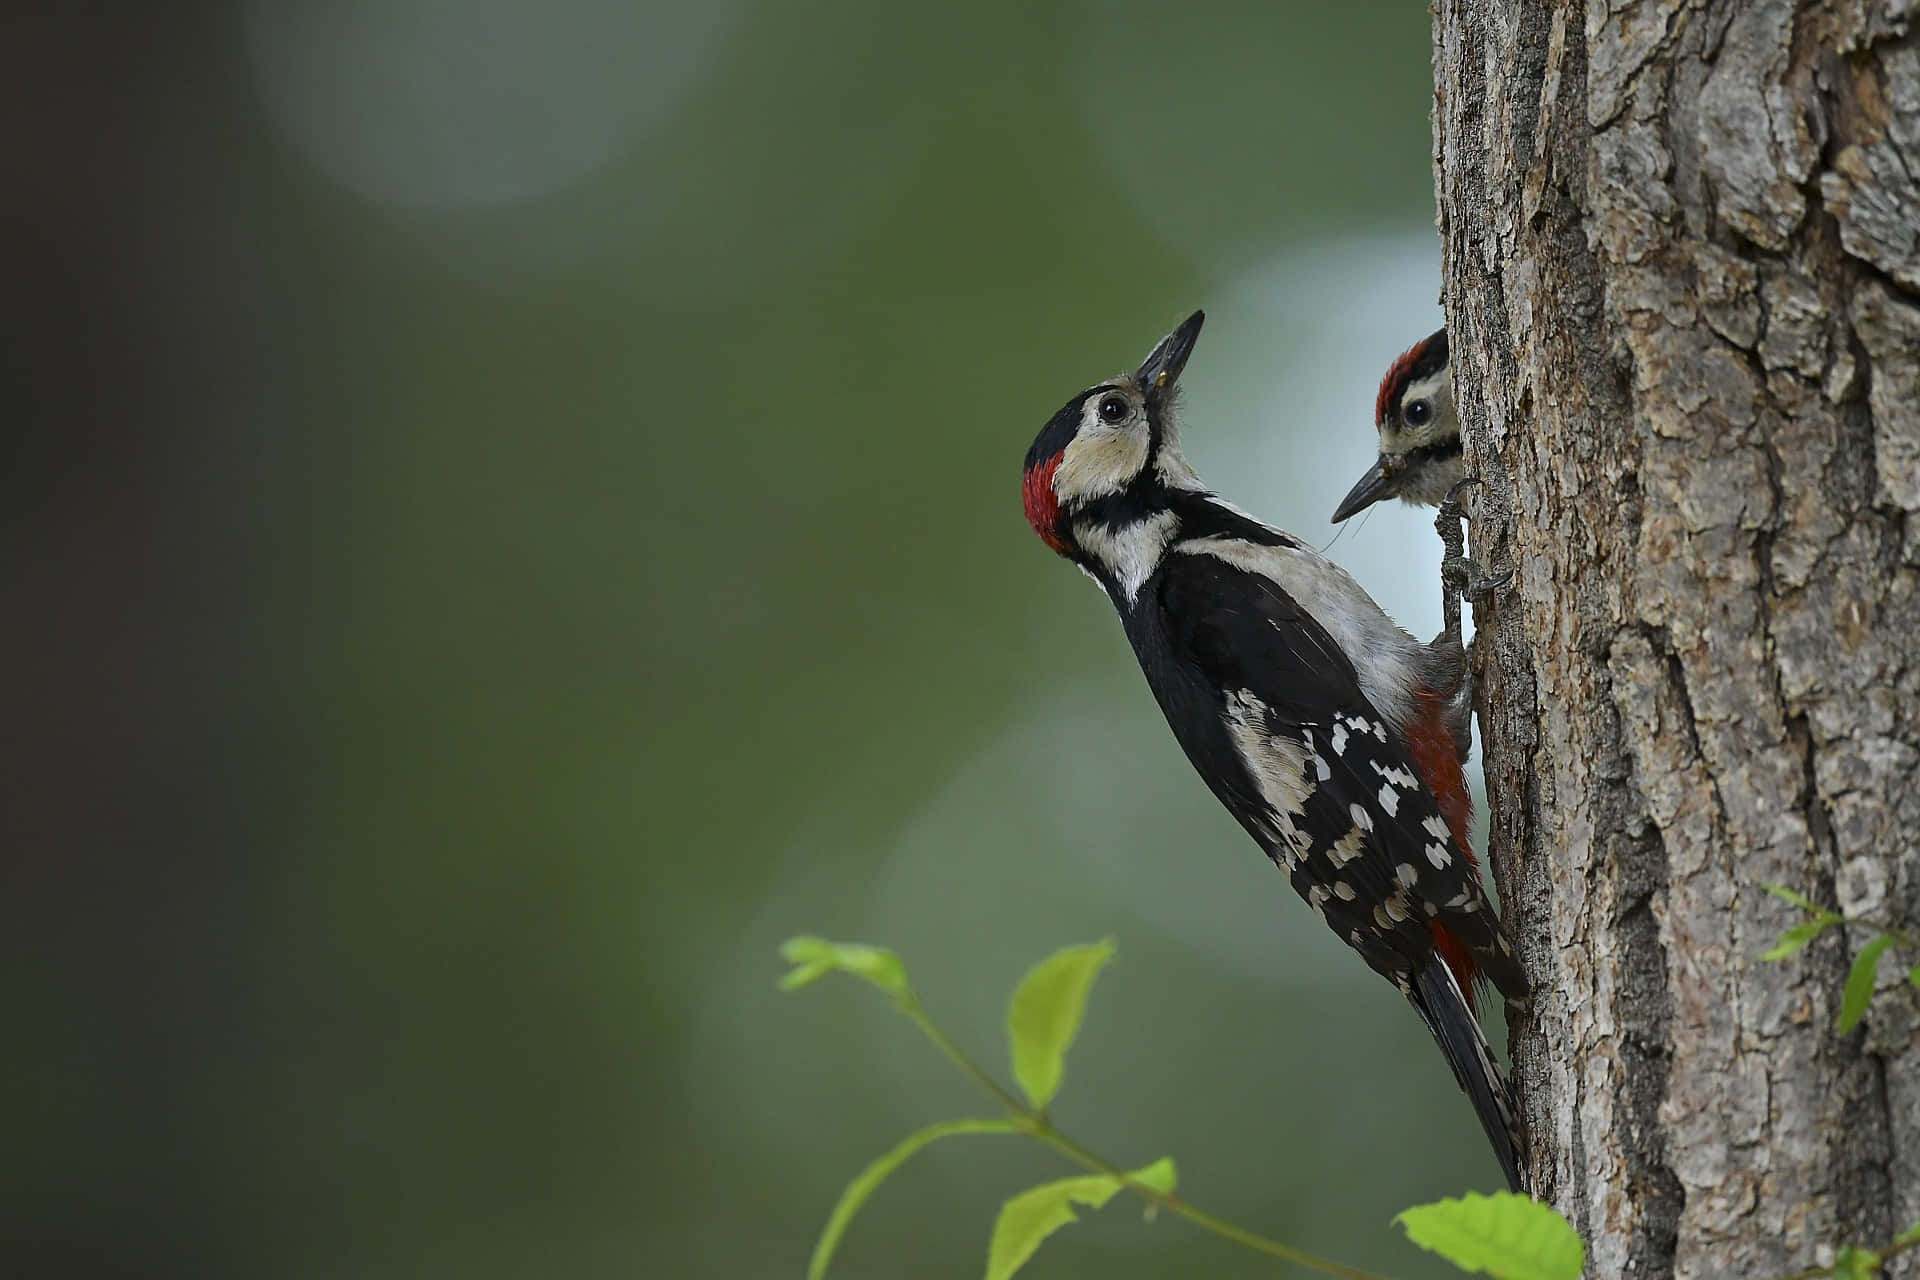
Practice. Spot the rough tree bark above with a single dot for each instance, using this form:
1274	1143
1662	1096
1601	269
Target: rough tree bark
1683	280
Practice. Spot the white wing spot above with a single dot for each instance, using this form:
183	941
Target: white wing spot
1389	799
1398	776
1321	769
1437	854
1408	873
1347	847
1436	826
1343	891
1361	818
1339	738
1278	766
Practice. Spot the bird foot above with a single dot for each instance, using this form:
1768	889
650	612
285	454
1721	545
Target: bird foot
1461	576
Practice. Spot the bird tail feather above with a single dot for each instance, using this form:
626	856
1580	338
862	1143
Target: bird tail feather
1448	1015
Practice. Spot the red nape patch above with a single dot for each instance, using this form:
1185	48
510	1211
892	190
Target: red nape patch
1398	374
1458	959
1431	747
1043	510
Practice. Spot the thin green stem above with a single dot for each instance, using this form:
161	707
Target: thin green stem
958	1057
1900	936
1199	1217
1040	1128
1893	1250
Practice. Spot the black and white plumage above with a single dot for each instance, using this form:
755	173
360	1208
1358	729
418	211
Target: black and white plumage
1317	721
1421	457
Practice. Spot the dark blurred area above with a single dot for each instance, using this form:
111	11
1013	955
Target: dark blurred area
512	513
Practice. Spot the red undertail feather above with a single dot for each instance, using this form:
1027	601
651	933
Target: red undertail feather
1433	756
1439	767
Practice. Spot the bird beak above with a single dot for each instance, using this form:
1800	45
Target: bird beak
1373	486
1162	368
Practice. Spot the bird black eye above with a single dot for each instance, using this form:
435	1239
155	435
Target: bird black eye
1114	409
1417	412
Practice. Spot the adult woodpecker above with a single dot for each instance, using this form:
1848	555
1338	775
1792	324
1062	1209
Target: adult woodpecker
1309	713
1420	452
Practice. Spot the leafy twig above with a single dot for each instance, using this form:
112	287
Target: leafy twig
1507	1236
1864	974
1042	1022
1855	1263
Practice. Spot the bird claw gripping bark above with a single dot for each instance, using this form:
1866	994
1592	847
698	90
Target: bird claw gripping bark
1460	576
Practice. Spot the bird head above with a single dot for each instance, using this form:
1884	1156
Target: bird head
1420	451
1116	443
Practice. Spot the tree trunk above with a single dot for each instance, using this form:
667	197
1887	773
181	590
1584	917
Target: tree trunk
1683	283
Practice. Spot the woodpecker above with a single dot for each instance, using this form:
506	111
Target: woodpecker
1422	462
1420	452
1315	719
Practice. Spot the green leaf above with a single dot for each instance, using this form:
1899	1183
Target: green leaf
1796	938
813	958
1045	1014
1160	1175
869	1179
1507	1236
1855	1263
1910	1236
1913	975
1030	1217
1860	980
1799	900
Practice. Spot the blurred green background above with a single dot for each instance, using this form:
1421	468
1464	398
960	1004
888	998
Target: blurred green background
513	513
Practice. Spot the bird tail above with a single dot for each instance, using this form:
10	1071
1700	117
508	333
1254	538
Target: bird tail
1444	1008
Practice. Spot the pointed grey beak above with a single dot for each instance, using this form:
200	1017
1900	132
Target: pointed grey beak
1161	369
1373	486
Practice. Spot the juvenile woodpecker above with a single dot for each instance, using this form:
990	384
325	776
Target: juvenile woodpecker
1420	452
1422	462
1310	714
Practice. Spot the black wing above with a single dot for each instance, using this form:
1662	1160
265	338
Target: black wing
1272	715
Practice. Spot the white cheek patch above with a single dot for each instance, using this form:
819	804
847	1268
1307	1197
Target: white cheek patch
1396	436
1098	463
